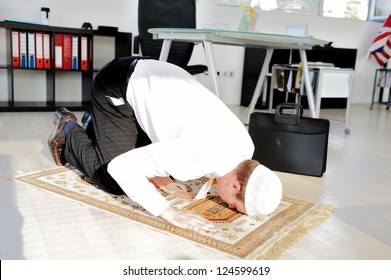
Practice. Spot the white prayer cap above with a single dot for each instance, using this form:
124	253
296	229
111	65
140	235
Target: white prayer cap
263	192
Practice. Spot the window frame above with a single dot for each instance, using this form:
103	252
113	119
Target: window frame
373	4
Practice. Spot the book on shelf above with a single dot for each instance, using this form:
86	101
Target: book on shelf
84	53
15	48
31	50
39	50
75	52
23	49
67	52
46	51
58	51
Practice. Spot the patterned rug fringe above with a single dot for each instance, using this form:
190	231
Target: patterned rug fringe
295	231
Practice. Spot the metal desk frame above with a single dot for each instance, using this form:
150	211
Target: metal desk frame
268	41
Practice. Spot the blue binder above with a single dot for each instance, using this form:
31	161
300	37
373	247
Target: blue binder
75	52
23	49
31	49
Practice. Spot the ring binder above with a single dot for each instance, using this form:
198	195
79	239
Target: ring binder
58	51
84	53
67	52
46	51
15	49
23	49
75	52
39	50
31	49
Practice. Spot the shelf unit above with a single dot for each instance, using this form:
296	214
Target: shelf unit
123	47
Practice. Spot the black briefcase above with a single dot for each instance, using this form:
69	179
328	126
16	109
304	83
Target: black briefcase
288	142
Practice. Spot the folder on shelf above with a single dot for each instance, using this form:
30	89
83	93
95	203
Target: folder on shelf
46	51
31	50
84	53
39	50
15	48
75	52
58	51
23	49
67	52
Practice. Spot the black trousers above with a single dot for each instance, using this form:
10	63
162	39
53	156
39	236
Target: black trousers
115	129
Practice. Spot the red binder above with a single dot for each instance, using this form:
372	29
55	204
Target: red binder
67	52
84	53
58	51
15	49
39	50
46	51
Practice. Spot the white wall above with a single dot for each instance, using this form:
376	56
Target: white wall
72	13
123	14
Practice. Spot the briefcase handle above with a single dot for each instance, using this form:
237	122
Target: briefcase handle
281	117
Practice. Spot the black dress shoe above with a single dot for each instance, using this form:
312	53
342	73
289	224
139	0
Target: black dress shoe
86	118
87	124
56	141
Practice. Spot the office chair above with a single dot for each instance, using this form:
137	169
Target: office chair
167	13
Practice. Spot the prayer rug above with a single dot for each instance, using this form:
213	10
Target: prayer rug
240	236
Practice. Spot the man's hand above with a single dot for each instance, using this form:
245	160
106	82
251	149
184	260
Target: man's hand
177	189
167	185
188	220
160	181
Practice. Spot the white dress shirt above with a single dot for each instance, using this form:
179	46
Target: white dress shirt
194	134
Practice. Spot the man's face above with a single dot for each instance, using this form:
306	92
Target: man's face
227	187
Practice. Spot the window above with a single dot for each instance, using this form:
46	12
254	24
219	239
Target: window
351	9
379	10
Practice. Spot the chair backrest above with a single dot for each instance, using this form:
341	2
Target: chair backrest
166	13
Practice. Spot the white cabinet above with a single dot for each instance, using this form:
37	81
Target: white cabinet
327	82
